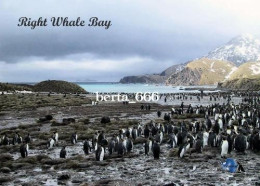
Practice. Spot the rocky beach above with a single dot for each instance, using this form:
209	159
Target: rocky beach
23	113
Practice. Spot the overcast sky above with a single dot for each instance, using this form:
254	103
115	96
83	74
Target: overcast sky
145	37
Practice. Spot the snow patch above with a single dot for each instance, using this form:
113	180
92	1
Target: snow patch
239	50
211	67
230	73
255	69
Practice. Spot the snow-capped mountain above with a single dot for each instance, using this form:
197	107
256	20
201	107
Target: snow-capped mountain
239	50
239	58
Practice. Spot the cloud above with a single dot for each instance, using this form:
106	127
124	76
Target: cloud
37	69
160	33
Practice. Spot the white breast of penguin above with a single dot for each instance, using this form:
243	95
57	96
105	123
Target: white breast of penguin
224	148
102	154
56	136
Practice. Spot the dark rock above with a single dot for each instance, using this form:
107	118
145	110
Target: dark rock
86	121
67	121
4	179
105	119
53	161
55	123
71	120
5	170
61	183
76	181
6	157
64	177
42	120
48	117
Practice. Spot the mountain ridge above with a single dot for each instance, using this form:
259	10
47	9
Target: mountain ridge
238	51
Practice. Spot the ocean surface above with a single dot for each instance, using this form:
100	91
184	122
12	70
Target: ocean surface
135	88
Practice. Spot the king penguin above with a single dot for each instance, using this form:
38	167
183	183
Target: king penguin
56	136
100	153
50	143
23	150
129	145
184	148
156	150
74	138
224	147
63	152
86	147
240	143
148	146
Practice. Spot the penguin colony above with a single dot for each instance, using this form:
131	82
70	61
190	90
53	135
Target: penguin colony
227	127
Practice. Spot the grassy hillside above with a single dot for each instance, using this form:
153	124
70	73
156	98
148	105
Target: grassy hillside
212	71
153	78
58	87
45	86
247	70
242	84
246	77
202	72
14	87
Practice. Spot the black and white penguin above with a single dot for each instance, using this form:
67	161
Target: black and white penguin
23	150
94	141
55	136
17	139
154	130
86	147
180	137
111	146
240	143
146	131
161	128
63	152
256	141
121	147
184	148
101	137
27	139
148	146
224	147
156	150
100	153
74	138
116	139
159	137
20	139
173	140
134	133
205	138
27	147
199	145
159	113
139	131
129	145
51	143
212	141
104	143
220	122
219	140
170	129
216	127
121	133
5	140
